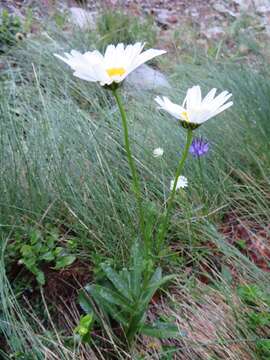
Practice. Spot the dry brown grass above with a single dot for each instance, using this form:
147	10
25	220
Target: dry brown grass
207	322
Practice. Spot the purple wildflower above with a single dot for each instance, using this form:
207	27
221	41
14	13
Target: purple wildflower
199	147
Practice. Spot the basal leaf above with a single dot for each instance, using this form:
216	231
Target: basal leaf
64	261
85	302
160	330
111	296
116	280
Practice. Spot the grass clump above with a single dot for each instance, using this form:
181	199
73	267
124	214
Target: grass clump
117	26
10	30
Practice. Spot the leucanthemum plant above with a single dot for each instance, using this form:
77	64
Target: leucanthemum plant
127	294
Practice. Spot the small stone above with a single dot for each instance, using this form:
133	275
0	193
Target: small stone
263	9
162	17
173	19
203	43
214	32
244	5
83	18
262	6
193	12
244	49
147	78
219	7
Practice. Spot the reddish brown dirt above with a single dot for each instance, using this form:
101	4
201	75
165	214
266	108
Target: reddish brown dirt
251	238
66	283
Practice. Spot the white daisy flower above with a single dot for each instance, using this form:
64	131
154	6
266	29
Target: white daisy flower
182	182
158	152
196	110
112	67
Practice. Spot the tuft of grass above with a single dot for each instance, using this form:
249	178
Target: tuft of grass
117	26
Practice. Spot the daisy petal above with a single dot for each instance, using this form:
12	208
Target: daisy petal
144	57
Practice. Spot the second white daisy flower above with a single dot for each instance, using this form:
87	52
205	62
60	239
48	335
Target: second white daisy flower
195	110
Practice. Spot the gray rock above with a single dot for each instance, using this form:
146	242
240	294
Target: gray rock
146	78
262	6
244	5
221	8
263	10
243	49
192	11
83	18
165	17
162	16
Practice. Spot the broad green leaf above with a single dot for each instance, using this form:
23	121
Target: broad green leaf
40	277
58	250
85	302
109	308
87	321
35	236
163	281
48	256
160	330
137	269
38	247
26	250
84	328
156	276
114	313
151	213
116	280
125	276
112	297
155	284
64	261
29	262
50	242
135	323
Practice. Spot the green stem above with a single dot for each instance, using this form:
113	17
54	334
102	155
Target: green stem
201	171
165	223
135	179
202	180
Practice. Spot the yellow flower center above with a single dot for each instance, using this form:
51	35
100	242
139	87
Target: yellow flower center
115	71
185	116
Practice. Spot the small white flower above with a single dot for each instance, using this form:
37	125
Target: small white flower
112	67
182	182
196	110
158	152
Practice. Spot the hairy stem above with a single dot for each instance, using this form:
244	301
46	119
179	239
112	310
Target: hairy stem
135	180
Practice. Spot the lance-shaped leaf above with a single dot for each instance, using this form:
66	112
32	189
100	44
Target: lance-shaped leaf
160	330
117	281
